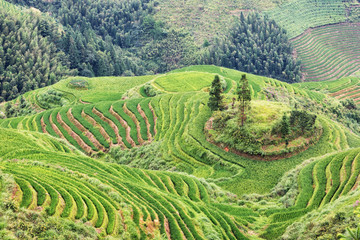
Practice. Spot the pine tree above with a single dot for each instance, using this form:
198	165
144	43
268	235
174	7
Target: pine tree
244	97
215	99
285	127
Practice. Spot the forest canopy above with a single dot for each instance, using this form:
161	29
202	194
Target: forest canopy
256	45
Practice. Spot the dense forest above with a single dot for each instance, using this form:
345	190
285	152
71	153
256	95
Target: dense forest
257	45
28	60
109	38
104	38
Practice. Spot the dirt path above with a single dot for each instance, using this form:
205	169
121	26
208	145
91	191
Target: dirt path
137	124
76	137
111	124
85	131
125	125
154	116
148	126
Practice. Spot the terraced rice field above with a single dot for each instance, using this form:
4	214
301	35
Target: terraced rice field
184	82
55	176
93	128
176	120
107	196
297	16
342	89
320	182
329	52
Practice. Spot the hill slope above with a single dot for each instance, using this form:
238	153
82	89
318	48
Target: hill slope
329	52
114	199
59	180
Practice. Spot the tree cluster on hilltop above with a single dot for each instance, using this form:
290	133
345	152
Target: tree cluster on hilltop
256	45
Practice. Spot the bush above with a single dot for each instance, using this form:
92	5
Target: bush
149	90
50	99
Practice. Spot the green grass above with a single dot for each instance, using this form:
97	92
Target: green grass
102	88
184	82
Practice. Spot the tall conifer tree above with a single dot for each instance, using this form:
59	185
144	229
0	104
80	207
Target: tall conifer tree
215	100
244	98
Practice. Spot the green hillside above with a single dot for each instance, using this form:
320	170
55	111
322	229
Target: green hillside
211	17
298	16
114	199
53	175
329	52
179	120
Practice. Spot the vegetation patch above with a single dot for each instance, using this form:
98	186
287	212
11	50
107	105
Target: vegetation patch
51	99
79	84
271	129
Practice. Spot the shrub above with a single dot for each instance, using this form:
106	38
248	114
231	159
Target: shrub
50	99
149	90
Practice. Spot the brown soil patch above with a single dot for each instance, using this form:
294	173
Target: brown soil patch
143	115
167	227
137	124
124	124
343	172
85	131
76	137
111	124
56	129
150	228
123	219
83	102
14	191
97	126
356	183
154	116
43	125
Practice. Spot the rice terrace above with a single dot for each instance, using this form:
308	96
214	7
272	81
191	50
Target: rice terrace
180	119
